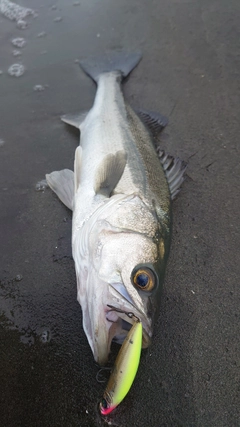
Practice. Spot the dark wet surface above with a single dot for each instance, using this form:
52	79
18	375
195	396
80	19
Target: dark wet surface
190	72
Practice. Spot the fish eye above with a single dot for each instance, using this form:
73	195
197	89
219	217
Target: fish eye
104	404
144	279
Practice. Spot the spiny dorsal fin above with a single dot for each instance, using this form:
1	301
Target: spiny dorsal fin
174	169
77	167
109	173
75	119
62	183
153	120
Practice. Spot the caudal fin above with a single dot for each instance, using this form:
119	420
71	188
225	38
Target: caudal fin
124	62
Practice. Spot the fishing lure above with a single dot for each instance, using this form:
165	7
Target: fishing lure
125	368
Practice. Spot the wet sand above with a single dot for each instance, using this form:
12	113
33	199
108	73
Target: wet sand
189	72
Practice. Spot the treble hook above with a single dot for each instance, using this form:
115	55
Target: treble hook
100	373
129	314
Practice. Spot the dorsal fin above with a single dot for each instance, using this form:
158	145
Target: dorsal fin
109	173
174	169
153	120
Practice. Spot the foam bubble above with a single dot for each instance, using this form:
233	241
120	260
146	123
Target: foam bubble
13	11
19	42
16	70
17	52
41	185
58	19
21	24
38	88
42	34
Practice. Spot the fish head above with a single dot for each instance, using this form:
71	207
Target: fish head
120	272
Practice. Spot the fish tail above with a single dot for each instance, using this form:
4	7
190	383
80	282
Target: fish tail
121	61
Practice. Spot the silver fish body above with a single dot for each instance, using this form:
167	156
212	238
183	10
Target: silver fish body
121	205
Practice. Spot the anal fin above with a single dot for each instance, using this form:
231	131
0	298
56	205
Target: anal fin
62	183
109	173
174	169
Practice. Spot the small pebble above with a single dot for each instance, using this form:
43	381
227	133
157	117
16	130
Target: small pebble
57	19
16	70
19	42
18	278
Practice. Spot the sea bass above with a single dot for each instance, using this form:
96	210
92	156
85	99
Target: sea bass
120	193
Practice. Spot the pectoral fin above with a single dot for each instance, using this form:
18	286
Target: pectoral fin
62	183
109	173
77	167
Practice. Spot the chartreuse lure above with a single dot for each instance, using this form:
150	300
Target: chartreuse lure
124	370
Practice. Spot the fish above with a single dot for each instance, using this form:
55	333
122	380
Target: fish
120	193
124	370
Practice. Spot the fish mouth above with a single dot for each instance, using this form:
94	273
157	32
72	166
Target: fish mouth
122	322
113	321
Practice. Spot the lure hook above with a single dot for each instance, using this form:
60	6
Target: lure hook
99	373
129	314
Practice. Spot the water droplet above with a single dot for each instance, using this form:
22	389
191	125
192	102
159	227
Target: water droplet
58	19
38	88
41	185
21	24
19	42
18	277
17	52
16	70
42	34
